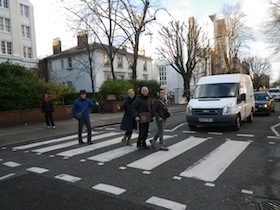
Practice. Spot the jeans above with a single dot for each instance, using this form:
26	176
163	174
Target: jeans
143	134
80	130
49	118
159	134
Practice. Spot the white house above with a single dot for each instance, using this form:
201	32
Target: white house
17	33
70	67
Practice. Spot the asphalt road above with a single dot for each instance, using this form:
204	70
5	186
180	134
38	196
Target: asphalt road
210	168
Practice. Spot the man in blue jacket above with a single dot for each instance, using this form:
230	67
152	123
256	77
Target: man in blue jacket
80	111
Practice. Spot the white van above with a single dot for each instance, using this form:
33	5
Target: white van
221	100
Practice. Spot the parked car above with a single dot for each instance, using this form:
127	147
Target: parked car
275	92
264	103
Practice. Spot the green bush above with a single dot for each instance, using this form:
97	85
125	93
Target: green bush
153	86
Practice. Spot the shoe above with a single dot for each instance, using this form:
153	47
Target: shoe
163	148
48	127
81	142
53	127
89	143
153	143
140	147
146	147
123	141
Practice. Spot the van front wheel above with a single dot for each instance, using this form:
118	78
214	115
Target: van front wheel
192	126
250	117
237	124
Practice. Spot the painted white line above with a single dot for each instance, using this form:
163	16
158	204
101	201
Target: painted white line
147	172
209	184
92	147
3	148
27	151
273	128
246	135
273	137
191	132
122	168
65	158
51	156
39	154
155	159
271	142
110	129
100	164
28	146
177	177
174	129
37	170
210	167
7	176
11	164
247	192
109	189
83	160
168	204
215	133
68	178
119	152
1	160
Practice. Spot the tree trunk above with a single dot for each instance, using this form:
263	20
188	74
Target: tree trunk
135	56
187	79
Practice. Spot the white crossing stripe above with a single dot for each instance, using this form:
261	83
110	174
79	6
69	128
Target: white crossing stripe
245	135
249	192
119	152
37	144
37	170
82	150
155	159
210	167
7	176
109	189
68	178
166	203
215	133
174	129
11	164
72	143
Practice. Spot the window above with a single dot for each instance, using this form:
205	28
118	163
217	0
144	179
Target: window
145	77
5	24
106	60
25	30
120	77
27	52
145	66
62	64
69	63
107	76
70	85
6	47
162	75
4	3
120	61
24	10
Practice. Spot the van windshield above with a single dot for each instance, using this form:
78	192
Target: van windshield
221	90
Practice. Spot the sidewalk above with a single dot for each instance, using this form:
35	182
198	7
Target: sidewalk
38	131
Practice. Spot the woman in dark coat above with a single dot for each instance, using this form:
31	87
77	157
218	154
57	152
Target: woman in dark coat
47	109
128	122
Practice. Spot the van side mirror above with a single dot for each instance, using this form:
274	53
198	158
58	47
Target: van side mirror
243	97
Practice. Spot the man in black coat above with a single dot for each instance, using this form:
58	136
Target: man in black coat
47	109
142	114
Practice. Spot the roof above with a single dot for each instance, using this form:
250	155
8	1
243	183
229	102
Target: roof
222	78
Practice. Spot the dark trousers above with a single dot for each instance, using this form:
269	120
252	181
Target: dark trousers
49	118
80	130
143	134
128	134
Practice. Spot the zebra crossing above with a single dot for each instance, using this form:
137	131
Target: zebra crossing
106	148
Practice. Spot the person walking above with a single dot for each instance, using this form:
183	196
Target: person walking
142	114
47	109
128	122
80	111
161	113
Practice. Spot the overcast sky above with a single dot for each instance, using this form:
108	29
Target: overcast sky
50	22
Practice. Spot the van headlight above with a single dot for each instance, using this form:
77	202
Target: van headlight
189	110
227	110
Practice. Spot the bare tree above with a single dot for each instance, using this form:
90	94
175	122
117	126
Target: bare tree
272	25
261	68
236	35
183	46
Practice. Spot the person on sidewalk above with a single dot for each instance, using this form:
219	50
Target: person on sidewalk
128	122
161	113
142	114
80	111
47	109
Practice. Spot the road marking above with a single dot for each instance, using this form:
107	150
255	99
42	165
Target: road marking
72	143
246	135
83	160
273	128
3	148
92	147
1	160
110	129
109	189
247	192
119	152
191	132
271	142
68	178
11	164
215	133
174	129
210	167
147	172
37	170
273	137
209	184
155	159
177	177
51	156
28	146
168	204
122	168
7	176
100	164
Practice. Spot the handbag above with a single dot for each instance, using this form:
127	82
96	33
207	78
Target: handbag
166	111
145	117
79	115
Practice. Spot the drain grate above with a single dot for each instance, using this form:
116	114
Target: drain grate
267	204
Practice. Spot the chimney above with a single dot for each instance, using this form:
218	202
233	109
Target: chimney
142	52
82	39
56	46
